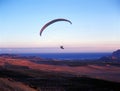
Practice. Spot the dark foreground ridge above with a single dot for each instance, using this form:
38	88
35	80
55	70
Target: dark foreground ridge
56	82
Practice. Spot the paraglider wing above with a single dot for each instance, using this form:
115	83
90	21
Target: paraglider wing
53	21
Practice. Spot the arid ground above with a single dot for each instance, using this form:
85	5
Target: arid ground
37	74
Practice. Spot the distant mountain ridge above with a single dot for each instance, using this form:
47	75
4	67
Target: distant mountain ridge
114	56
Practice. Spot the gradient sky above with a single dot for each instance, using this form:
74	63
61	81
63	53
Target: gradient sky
95	28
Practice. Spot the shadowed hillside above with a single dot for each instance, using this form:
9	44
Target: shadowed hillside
22	74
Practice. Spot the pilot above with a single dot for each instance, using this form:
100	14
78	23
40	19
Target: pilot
61	47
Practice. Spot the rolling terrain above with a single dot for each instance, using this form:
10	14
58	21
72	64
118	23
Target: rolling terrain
36	74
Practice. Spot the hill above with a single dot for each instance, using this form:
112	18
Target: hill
23	73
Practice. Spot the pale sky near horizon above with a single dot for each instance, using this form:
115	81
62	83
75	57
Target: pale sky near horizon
95	25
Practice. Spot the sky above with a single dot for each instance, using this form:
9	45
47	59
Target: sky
95	25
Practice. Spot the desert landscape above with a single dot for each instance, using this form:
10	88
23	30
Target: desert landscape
20	73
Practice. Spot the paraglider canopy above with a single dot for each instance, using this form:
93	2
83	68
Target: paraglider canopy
51	22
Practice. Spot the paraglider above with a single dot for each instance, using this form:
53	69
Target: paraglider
51	22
